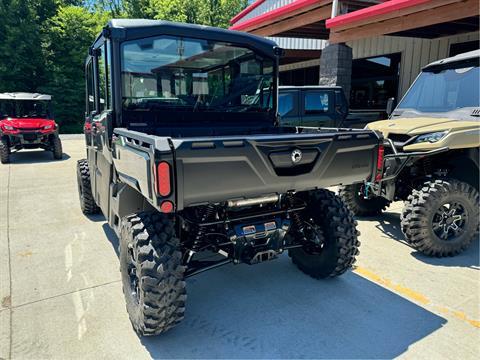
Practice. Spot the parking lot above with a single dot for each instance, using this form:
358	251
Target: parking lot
61	293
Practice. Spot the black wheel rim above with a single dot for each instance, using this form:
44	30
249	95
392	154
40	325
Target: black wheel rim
449	221
132	274
315	240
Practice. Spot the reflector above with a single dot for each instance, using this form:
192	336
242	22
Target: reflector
166	207
380	156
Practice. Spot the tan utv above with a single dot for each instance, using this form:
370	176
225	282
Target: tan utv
431	156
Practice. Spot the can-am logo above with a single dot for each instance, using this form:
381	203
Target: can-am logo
296	156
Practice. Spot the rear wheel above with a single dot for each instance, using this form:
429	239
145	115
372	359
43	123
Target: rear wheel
57	147
331	237
353	197
4	151
441	218
152	272
87	202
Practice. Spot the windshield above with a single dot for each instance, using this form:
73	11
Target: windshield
444	90
169	72
24	109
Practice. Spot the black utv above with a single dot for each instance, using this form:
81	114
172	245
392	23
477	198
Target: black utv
187	163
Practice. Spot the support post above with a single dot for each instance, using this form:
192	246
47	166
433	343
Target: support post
336	67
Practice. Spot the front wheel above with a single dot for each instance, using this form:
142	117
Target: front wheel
4	151
442	217
152	272
330	237
353	197
57	147
87	202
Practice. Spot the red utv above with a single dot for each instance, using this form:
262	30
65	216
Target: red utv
26	122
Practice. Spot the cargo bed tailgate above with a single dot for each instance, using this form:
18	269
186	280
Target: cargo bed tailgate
223	168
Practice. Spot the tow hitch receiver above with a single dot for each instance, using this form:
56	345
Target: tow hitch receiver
263	256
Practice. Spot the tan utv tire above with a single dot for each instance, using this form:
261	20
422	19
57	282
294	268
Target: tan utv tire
442	217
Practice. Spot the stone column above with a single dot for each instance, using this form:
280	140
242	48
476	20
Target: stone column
336	67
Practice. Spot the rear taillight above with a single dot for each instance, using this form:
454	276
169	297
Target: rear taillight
380	158
164	187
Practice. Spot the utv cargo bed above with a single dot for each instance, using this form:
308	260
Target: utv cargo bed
218	169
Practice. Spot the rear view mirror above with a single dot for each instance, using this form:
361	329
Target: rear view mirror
390	106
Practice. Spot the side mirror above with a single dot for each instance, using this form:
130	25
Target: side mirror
390	106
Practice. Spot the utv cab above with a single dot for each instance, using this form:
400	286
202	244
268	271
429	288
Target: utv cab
26	122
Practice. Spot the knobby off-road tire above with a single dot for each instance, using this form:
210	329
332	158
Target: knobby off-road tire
338	231
152	272
4	151
87	202
351	196
57	148
424	226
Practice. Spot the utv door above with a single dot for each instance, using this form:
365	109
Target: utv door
318	108
100	159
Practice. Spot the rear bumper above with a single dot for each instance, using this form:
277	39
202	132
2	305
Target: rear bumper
395	162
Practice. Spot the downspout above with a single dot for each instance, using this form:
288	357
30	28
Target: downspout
334	9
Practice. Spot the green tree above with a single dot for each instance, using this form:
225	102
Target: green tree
44	42
68	36
22	65
205	12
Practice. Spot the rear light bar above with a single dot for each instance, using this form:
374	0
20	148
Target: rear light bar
380	158
164	187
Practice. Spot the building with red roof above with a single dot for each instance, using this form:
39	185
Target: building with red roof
373	48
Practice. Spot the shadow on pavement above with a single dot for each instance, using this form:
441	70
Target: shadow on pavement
111	236
469	258
273	310
389	225
97	218
34	157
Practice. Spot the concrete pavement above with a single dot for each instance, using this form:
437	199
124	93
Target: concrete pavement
61	294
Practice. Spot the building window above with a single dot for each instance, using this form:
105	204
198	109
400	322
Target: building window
300	77
374	80
460	48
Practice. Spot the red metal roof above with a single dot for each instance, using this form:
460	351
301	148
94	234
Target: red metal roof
271	16
246	11
375	10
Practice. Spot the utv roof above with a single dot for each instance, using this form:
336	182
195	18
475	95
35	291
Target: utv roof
24	96
471	55
308	87
127	29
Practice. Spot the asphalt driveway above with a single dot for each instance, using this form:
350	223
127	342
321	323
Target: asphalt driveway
61	294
